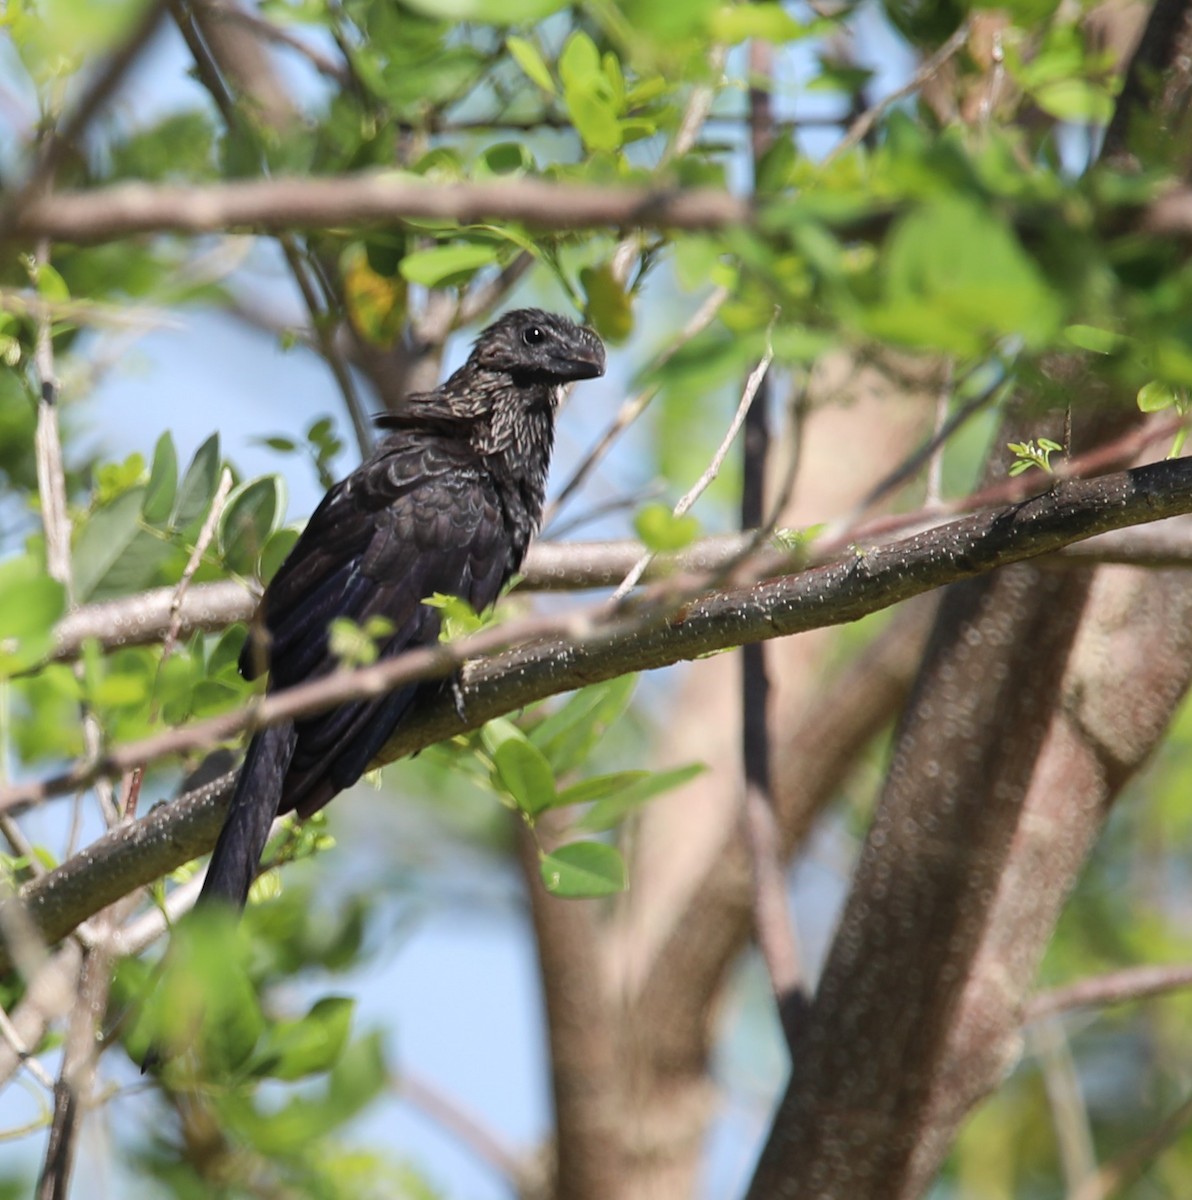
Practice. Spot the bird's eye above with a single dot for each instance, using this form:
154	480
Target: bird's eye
532	335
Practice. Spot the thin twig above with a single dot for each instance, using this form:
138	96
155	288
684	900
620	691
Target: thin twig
752	384
97	314
1114	1176
634	407
1069	1112
935	464
926	72
212	79
71	129
48	996
17	1045
206	534
1117	987
463	1126
76	1079
267	31
51	473
773	924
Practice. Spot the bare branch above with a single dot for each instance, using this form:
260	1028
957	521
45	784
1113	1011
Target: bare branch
187	19
1120	1172
48	997
101	88
447	1113
51	473
634	407
268	31
701	485
369	198
1065	1099
76	1079
926	72
1117	987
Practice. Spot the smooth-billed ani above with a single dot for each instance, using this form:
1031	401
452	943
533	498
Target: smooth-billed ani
448	503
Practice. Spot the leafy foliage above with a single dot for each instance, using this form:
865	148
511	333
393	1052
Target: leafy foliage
976	243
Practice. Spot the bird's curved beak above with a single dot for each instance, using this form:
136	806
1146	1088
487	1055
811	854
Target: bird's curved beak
581	360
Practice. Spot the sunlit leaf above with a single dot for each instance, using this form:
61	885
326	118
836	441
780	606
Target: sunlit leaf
661	531
526	55
523	772
162	487
583	869
609	307
610	810
30	603
441	265
311	1044
198	485
248	520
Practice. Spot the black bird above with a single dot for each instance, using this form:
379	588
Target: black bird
448	503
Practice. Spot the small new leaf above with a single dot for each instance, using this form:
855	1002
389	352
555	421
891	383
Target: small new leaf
662	532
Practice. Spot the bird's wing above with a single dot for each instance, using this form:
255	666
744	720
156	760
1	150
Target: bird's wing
412	521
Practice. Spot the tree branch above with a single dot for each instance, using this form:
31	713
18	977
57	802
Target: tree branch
826	595
379	198
1117	987
370	198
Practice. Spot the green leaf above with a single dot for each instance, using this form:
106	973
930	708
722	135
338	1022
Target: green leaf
50	285
247	521
1075	100
1094	339
765	22
198	486
597	787
30	603
163	482
276	550
1156	396
355	645
113	479
459	618
450	263
104	540
609	309
588	93
505	158
203	998
568	735
957	276
311	1044
523	772
661	531
611	811
583	869
526	55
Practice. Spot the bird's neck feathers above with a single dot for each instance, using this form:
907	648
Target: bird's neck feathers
516	437
509	424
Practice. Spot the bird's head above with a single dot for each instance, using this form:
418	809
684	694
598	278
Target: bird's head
533	346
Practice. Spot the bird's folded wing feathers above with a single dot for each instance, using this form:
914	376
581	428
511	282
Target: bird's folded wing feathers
380	544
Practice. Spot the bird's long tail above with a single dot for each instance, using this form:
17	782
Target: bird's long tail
246	828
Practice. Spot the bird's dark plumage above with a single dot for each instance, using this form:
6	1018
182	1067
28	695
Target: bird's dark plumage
447	502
